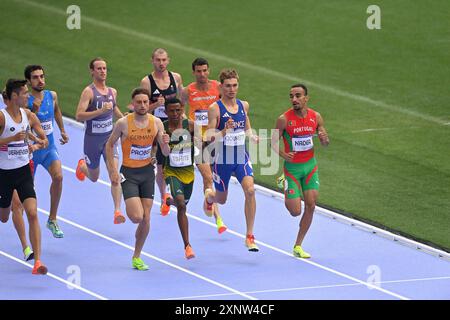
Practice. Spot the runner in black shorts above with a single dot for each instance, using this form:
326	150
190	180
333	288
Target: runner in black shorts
137	131
15	173
162	84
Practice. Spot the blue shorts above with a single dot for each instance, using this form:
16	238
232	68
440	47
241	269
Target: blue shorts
45	157
222	173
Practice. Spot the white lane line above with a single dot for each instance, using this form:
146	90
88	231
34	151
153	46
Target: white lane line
98	234
260	69
51	275
277	249
308	288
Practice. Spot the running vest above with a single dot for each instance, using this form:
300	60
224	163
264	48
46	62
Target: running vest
199	101
180	162
233	148
155	92
46	115
14	154
101	125
298	135
137	145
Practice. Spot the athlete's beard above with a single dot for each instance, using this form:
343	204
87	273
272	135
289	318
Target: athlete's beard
140	113
38	89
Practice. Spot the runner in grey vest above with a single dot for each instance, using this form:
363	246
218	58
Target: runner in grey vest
96	108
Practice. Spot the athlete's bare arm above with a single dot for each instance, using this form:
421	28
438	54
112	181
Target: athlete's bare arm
119	130
179	82
248	127
41	142
276	135
184	96
83	104
162	137
117	113
59	119
321	131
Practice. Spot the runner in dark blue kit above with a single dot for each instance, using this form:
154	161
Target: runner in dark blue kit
228	125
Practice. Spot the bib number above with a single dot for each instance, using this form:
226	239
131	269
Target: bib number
102	126
233	139
302	143
140	152
180	159
201	117
16	151
47	126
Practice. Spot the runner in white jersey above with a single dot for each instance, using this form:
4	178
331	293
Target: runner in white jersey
15	171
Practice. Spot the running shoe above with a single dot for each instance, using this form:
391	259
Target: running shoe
221	227
80	175
189	252
39	268
165	208
53	226
28	254
119	217
280	181
139	264
250	243
299	253
208	207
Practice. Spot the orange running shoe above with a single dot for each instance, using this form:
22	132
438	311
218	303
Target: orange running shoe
250	243
165	208
189	252
80	175
39	268
119	217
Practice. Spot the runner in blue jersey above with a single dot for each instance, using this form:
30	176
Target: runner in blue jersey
228	125
96	108
44	104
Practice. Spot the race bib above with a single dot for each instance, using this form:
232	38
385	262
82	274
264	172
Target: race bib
16	151
302	143
181	159
160	112
47	126
236	138
102	126
201	117
140	152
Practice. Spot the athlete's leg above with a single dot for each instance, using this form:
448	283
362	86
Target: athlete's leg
250	202
55	172
310	198
30	206
160	180
17	217
138	210
116	190
205	171
183	224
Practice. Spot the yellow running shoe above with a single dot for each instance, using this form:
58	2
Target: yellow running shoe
139	264
299	253
250	243
221	227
